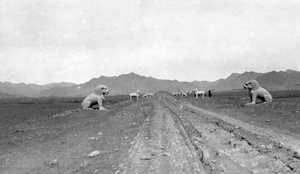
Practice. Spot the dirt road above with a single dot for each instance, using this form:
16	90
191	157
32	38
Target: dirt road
187	139
161	134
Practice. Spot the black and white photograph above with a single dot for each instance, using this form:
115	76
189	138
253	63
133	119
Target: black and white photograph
149	86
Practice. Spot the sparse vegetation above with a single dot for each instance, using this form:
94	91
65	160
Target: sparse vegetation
56	133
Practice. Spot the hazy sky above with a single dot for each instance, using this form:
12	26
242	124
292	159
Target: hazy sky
44	41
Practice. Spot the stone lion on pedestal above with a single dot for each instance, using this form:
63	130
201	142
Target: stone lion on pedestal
96	97
255	91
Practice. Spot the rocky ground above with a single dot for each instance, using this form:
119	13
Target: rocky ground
161	134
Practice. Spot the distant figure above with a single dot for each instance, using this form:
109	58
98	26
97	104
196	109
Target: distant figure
209	93
175	93
135	94
150	94
255	91
198	93
96	97
146	95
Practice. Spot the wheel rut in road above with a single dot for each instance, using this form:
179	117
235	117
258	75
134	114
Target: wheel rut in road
227	147
160	147
177	139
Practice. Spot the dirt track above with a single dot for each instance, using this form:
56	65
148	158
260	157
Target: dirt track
155	135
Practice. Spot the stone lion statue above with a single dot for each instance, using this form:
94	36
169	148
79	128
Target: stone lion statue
175	93
135	94
146	95
198	93
96	97
255	91
150	94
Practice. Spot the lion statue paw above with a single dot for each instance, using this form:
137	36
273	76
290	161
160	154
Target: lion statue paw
257	92
102	108
96	97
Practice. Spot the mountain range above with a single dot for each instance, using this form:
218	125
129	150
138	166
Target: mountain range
126	83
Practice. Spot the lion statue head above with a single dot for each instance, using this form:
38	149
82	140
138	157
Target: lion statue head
257	92
251	85
101	89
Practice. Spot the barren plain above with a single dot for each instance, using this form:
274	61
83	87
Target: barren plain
161	134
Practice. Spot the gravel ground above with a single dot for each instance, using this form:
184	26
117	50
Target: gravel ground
161	134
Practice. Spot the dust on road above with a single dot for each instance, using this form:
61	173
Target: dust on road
161	134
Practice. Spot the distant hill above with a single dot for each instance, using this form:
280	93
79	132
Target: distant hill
281	80
123	84
126	83
28	90
50	85
205	85
235	81
6	95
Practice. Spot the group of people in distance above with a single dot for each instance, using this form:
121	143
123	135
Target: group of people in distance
98	95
